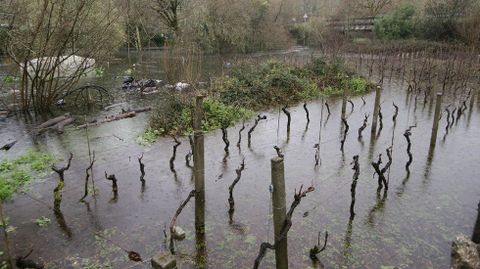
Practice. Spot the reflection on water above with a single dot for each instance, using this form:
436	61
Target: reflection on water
413	228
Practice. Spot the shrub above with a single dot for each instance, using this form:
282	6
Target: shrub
167	114
439	20
399	24
176	117
218	115
359	85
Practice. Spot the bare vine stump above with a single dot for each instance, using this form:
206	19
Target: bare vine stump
257	120
407	135
225	139
279	210
328	108
344	101
307	113
364	125
174	153
231	201
240	134
345	132
394	118
113	179
356	169
87	177
289	118
142	169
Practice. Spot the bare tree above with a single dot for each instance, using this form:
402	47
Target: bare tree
168	12
374	7
54	42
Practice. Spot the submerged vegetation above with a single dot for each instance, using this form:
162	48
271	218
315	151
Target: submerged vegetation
16	173
251	87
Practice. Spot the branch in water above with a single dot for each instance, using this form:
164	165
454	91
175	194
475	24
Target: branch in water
174	219
286	226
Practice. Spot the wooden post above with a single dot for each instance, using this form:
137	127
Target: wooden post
476	229
199	176
472	99
279	211
436	118
344	99
376	109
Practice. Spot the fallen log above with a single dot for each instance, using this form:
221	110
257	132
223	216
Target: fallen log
61	125
109	119
138	110
53	121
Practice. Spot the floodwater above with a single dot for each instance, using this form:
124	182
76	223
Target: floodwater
410	227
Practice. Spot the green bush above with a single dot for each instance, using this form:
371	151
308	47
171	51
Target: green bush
265	85
218	115
399	24
250	87
440	19
359	85
177	118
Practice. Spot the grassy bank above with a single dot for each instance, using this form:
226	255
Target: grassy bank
18	172
251	87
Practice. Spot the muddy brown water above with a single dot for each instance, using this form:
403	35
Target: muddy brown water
412	227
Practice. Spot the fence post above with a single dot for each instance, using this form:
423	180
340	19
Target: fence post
476	229
376	109
472	99
199	176
344	99
436	118
279	211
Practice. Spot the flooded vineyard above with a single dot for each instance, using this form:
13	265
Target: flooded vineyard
429	196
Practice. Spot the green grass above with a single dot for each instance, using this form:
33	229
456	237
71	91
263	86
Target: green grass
16	173
149	136
42	221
